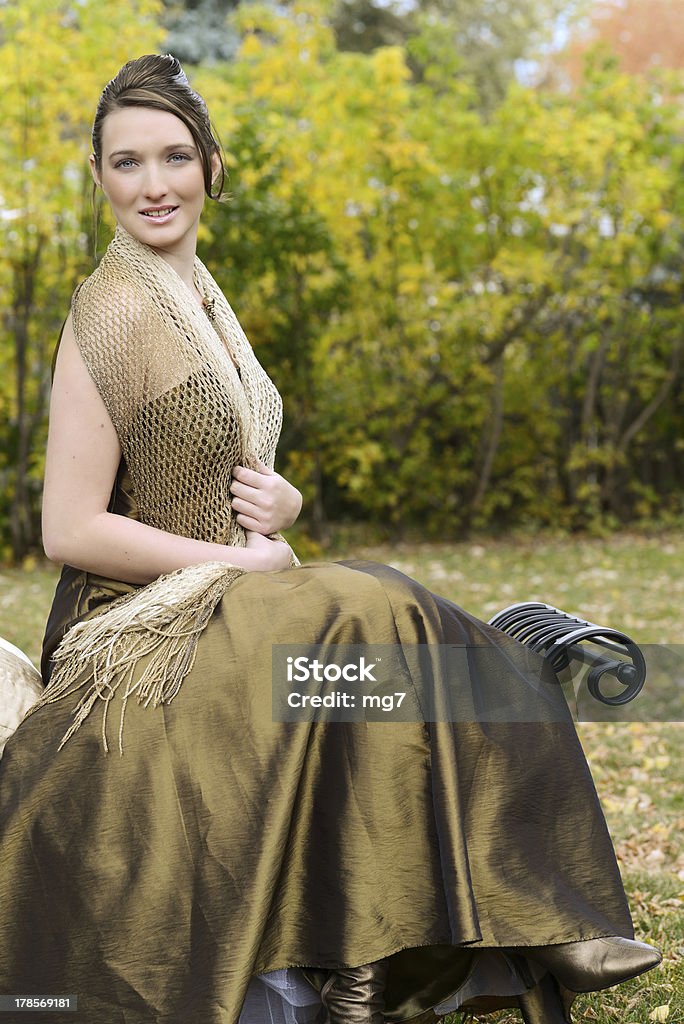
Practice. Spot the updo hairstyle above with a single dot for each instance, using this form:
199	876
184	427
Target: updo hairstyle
158	81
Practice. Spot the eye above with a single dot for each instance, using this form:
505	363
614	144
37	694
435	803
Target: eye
178	157
124	164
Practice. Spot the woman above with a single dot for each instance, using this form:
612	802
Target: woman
454	858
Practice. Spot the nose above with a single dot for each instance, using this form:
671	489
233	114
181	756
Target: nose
154	183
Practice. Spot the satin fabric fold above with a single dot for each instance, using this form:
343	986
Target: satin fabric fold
224	845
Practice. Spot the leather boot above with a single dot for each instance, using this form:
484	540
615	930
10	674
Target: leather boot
354	995
593	964
543	1004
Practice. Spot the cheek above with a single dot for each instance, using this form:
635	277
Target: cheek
117	190
194	184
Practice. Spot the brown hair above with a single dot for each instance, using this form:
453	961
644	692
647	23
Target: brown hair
158	81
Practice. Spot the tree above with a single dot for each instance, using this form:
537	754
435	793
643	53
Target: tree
363	25
459	298
51	61
473	319
197	30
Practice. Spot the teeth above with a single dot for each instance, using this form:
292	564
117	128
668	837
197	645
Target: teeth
158	213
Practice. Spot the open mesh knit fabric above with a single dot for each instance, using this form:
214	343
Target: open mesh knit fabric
169	379
189	401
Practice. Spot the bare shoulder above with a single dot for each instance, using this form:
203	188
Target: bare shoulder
71	372
74	392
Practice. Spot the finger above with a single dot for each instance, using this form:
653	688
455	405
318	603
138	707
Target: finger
244	491
246	476
251	524
260	500
258	493
248	508
263	468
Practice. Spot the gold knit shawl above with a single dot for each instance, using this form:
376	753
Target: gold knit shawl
189	401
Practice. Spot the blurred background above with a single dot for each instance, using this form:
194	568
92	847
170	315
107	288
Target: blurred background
453	235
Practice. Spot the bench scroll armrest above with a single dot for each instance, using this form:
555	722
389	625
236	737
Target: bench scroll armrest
563	638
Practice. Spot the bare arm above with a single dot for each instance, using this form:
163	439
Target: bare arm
83	455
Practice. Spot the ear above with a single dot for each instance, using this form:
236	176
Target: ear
215	166
94	171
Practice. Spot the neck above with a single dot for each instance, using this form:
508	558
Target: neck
182	262
181	258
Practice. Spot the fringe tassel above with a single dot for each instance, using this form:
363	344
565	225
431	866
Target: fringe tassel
162	621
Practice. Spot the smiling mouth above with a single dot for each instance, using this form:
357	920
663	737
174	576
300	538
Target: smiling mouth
162	211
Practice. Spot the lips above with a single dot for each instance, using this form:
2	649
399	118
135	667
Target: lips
158	212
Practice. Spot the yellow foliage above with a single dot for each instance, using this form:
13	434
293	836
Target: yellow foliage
53	66
392	247
251	46
389	66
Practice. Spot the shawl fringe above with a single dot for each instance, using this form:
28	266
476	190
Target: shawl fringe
162	622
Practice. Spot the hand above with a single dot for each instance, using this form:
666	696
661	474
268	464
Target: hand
264	500
272	554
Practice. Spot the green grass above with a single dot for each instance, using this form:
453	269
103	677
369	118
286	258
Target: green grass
627	581
25	597
631	582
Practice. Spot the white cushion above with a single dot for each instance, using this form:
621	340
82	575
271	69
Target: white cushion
20	687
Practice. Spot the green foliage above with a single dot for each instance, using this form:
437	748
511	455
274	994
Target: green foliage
474	320
481	42
484	40
364	25
196	30
52	58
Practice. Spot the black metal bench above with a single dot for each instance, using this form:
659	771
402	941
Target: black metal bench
563	639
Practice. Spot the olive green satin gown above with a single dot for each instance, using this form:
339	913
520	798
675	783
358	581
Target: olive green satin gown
223	845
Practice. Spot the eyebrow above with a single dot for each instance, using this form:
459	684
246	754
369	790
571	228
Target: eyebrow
167	149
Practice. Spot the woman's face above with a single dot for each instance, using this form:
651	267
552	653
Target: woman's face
153	177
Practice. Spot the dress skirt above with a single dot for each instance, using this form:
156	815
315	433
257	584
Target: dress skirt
186	880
